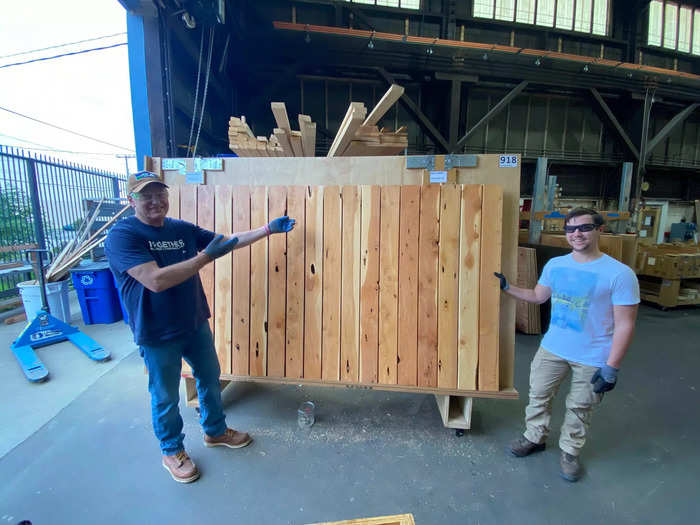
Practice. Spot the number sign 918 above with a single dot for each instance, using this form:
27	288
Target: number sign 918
508	161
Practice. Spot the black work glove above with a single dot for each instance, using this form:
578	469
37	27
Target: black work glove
504	281
604	379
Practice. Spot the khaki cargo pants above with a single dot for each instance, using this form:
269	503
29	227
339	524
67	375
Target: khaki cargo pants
547	372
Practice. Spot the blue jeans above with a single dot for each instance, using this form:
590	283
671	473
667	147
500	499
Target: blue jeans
164	364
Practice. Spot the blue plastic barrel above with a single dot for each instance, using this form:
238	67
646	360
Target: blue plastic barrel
121	302
98	297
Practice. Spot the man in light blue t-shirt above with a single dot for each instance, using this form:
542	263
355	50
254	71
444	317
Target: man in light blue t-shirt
594	309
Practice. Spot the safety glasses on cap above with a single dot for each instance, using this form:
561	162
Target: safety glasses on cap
588	227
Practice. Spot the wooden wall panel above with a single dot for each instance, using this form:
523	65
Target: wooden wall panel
369	285
240	346
174	202
489	289
388	284
407	365
294	354
332	220
277	291
188	212
469	268
223	313
205	219
429	240
350	288
313	297
258	283
448	285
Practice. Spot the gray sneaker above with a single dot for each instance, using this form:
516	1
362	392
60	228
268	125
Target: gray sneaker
570	467
522	447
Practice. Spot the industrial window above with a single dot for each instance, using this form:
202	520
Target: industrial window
674	26
405	4
586	16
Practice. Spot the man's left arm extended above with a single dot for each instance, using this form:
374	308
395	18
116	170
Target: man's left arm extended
625	317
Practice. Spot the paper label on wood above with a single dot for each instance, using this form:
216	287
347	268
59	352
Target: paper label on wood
437	177
508	161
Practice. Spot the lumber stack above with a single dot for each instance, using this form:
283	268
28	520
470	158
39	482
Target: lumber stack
527	315
358	134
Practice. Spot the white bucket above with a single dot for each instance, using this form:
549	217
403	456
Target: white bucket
56	296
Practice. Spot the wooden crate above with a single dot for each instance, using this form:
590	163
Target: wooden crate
669	293
670	261
379	285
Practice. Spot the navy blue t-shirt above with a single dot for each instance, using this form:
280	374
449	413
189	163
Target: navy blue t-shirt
156	317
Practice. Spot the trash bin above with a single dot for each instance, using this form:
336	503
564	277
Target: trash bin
121	302
98	297
56	296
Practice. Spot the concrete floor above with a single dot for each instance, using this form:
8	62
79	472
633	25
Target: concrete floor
84	451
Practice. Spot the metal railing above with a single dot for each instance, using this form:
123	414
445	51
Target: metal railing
42	202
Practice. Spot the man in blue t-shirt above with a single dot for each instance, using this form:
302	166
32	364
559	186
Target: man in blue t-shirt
156	260
594	309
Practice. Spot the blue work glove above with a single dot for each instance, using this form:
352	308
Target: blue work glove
604	379
218	246
504	281
281	225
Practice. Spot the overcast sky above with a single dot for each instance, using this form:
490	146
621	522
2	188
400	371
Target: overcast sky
87	93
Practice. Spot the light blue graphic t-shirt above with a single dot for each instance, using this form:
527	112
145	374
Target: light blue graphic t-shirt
583	295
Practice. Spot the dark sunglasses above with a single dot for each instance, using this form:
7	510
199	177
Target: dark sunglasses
583	227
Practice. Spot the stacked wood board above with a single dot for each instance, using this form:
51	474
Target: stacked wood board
527	315
358	134
350	277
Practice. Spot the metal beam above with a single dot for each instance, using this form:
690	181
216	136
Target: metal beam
455	110
615	123
416	113
641	165
668	128
492	113
537	200
623	203
551	190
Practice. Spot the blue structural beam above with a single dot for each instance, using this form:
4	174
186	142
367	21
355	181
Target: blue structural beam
537	200
139	87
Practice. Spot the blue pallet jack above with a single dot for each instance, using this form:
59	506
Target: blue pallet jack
46	330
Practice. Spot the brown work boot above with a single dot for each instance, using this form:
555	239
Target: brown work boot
522	447
181	467
231	439
570	467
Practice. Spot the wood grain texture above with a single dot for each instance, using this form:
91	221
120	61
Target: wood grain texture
369	284
313	270
223	295
489	289
188	212
277	291
174	202
388	283
429	240
448	285
294	354
332	220
350	288
258	285
409	220
240	347
469	268
205	219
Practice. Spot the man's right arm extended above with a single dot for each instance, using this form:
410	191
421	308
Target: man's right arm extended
538	295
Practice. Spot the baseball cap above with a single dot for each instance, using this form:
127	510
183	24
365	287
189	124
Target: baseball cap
138	181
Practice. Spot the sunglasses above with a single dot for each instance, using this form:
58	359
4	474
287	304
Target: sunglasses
582	227
158	196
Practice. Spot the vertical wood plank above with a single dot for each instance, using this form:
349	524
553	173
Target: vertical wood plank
222	287
205	219
388	283
258	285
174	202
240	347
313	297
294	355
448	283
429	239
409	220
489	290
277	291
332	220
188	212
469	275
369	279
350	291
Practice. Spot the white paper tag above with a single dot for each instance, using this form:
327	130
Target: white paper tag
508	161
438	176
651	261
642	233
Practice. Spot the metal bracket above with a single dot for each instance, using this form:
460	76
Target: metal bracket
460	161
426	162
